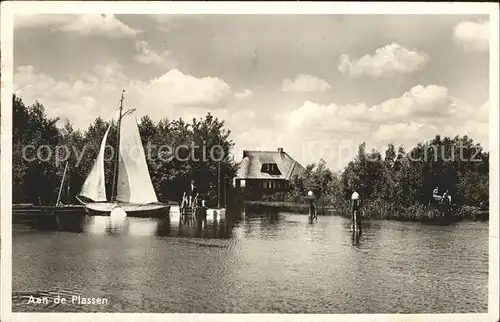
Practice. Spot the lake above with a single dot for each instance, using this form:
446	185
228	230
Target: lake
270	263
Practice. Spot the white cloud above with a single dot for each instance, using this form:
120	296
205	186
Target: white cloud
472	36
61	99
386	61
171	95
86	24
422	102
264	139
333	131
176	88
146	55
304	83
408	131
244	94
309	131
161	18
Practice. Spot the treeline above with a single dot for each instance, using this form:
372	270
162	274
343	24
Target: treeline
400	183
37	180
392	183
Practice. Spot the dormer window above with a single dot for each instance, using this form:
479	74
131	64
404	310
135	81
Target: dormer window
270	168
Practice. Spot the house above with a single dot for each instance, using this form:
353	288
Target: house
265	173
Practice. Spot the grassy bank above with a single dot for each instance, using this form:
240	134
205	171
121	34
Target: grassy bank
376	209
281	206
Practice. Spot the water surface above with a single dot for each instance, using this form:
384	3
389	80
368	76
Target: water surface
261	264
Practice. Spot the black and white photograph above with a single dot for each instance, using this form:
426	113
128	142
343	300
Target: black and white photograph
174	161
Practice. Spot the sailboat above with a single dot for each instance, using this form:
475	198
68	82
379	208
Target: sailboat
132	188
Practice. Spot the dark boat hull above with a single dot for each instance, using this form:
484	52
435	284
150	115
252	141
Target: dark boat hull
155	210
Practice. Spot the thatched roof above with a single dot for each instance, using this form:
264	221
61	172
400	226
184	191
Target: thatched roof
253	165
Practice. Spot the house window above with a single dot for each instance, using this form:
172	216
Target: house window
271	168
270	184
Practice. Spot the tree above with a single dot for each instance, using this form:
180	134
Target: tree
35	137
176	152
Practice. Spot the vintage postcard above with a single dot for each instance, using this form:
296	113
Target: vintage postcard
313	161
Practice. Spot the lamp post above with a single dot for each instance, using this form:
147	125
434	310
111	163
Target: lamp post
355	208
312	209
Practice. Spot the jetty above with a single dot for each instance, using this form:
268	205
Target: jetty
33	210
77	210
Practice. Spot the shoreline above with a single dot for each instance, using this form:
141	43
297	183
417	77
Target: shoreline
464	213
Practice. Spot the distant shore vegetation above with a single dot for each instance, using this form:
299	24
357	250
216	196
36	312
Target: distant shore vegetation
394	183
399	184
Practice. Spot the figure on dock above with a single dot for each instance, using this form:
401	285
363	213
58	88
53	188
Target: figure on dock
192	192
188	204
200	210
184	205
192	206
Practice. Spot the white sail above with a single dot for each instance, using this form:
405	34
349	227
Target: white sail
94	186
134	182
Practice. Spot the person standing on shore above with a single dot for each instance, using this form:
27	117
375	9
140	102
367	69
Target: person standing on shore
435	195
447	196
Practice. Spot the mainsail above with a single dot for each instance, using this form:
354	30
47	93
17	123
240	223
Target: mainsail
94	186
134	182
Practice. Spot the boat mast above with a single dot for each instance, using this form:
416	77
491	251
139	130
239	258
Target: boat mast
117	151
225	194
218	184
62	184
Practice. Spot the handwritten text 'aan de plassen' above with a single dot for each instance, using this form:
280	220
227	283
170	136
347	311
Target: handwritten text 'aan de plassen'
75	299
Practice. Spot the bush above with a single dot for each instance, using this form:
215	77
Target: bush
398	186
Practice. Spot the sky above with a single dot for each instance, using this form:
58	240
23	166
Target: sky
314	85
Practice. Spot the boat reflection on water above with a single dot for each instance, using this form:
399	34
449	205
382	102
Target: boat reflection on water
133	226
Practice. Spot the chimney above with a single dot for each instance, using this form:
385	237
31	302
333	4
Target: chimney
280	150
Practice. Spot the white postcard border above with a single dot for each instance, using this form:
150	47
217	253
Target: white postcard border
8	9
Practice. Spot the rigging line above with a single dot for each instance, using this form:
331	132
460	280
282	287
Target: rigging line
117	106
